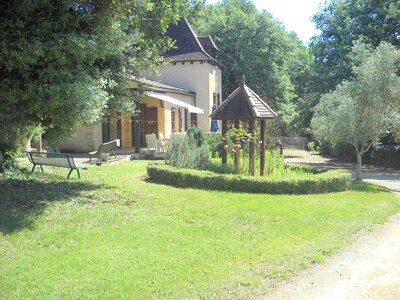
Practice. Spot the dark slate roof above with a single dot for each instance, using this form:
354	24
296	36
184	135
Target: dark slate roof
187	44
207	42
243	104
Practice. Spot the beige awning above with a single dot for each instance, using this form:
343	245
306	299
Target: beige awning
174	101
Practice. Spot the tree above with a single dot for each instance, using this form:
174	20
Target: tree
254	44
63	62
342	22
363	109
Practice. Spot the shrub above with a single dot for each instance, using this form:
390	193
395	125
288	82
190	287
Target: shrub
379	154
185	152
214	141
7	161
323	182
217	167
311	146
345	152
384	155
325	147
196	134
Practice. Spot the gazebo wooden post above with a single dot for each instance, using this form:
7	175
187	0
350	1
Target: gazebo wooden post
251	147
237	150
262	147
224	142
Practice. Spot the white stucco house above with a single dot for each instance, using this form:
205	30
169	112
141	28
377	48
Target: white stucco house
181	96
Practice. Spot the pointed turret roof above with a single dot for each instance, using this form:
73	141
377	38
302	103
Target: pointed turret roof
243	104
188	46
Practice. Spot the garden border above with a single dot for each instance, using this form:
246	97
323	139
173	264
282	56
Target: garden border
323	182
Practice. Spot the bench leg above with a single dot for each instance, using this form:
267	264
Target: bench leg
34	166
70	171
90	158
113	153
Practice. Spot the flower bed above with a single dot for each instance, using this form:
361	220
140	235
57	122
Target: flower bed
321	182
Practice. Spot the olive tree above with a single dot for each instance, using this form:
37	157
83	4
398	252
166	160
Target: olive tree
361	110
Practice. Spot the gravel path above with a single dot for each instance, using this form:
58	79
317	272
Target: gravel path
369	268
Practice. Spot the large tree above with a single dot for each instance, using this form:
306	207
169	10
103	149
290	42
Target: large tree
61	62
254	44
341	23
365	108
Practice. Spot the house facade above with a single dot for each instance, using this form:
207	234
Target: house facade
181	96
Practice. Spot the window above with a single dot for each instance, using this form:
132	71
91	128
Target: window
173	119
217	99
193	119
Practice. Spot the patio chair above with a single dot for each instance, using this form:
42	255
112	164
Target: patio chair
162	142
152	143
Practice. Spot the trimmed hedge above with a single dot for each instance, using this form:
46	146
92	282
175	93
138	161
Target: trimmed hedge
326	182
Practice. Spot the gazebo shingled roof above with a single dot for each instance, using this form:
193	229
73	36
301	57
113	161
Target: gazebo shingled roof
243	104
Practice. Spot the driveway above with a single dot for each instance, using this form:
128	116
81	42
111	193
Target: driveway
369	268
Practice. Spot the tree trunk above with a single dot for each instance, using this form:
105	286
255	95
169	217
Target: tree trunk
358	167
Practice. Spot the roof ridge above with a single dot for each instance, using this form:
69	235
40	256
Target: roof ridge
262	101
247	90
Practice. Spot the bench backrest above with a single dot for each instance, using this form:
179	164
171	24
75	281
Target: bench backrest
51	159
107	147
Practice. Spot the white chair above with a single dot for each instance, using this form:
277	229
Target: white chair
152	143
162	142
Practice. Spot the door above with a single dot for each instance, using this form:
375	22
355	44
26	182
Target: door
145	123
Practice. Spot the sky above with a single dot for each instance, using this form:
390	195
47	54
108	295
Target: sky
294	14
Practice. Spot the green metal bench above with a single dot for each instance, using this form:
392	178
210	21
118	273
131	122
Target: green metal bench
108	147
54	159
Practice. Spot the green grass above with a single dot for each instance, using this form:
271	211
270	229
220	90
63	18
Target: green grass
112	235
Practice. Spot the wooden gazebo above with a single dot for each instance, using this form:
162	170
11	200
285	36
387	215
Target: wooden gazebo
245	105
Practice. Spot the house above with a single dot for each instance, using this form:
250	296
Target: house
181	96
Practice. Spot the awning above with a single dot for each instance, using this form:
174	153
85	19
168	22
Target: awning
169	99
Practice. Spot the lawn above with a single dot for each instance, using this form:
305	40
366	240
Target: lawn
113	234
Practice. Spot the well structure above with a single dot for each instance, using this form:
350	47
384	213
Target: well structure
243	104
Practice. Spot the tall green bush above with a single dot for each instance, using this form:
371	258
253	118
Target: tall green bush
188	151
196	134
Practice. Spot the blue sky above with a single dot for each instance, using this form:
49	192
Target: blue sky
294	14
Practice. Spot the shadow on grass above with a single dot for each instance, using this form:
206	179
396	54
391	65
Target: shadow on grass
22	200
362	186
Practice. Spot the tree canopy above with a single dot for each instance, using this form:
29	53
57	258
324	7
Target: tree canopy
254	44
61	62
363	109
342	22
